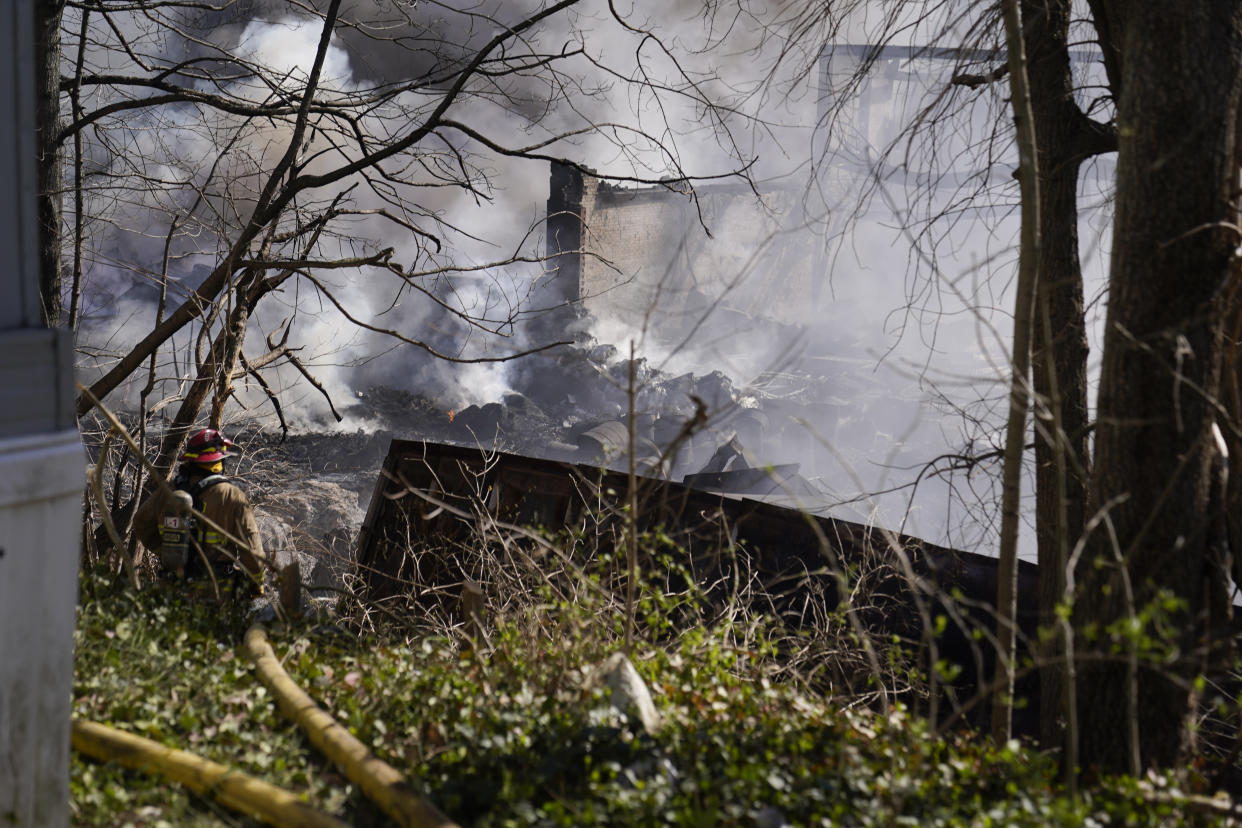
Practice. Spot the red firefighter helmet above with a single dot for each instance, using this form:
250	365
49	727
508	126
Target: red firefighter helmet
207	446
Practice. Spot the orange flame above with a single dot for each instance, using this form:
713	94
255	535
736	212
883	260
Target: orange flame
452	414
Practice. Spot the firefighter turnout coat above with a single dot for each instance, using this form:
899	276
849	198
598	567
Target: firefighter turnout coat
226	506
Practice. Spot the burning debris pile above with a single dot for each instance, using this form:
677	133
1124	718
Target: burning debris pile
574	406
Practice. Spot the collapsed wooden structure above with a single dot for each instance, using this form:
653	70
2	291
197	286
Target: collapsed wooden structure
430	495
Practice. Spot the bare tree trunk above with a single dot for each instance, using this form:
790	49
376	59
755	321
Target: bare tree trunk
227	341
79	220
47	128
234	336
1059	357
1019	391
1174	244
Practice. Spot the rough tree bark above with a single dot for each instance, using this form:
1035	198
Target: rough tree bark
1174	244
1019	391
47	136
1064	138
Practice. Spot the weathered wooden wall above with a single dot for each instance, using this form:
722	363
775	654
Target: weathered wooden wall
791	551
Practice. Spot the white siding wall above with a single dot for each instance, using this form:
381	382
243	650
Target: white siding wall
41	475
40	527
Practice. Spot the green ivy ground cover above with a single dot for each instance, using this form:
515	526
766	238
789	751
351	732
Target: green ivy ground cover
511	738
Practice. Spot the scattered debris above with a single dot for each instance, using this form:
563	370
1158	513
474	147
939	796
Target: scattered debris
629	694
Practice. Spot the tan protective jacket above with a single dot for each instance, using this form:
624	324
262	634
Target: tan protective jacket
224	505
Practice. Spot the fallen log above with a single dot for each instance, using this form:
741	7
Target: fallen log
229	787
382	783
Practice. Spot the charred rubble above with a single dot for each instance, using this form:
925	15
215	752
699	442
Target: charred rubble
565	430
573	406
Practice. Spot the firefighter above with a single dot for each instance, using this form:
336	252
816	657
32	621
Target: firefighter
186	545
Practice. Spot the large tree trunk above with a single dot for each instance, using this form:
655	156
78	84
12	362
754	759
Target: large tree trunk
1173	249
1059	359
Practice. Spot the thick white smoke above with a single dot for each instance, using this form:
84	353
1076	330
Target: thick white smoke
914	298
